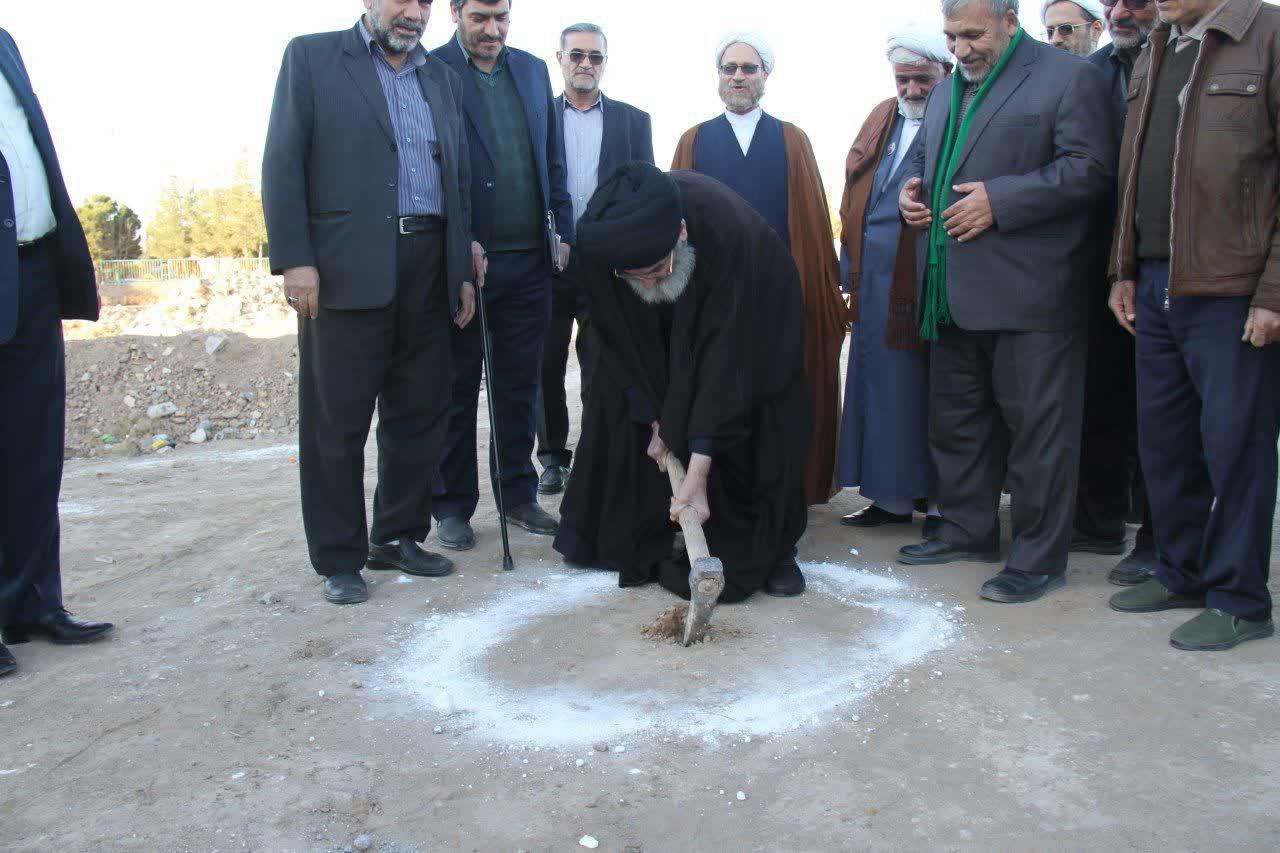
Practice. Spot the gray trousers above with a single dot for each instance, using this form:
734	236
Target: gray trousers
1007	407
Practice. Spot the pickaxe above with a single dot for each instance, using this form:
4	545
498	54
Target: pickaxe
706	573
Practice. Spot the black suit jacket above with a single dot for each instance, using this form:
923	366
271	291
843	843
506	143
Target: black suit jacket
1044	144
628	134
330	169
77	289
534	85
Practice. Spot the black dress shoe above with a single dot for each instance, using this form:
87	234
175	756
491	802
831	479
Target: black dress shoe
345	589
932	527
1014	587
534	519
58	627
786	581
456	534
1084	543
874	516
552	480
407	556
935	552
7	662
1138	567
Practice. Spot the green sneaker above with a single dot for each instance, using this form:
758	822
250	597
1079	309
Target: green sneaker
1151	596
1215	631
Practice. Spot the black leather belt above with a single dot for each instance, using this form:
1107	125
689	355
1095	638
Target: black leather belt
421	224
27	249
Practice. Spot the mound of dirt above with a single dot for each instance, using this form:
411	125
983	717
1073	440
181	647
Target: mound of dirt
124	392
179	363
669	626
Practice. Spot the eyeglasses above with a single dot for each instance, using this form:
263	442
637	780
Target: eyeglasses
729	69
1065	30
651	275
1131	5
580	57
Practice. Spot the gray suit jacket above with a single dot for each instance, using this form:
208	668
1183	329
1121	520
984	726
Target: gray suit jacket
330	168
1044	145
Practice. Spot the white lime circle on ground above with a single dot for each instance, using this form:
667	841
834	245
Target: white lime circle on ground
560	663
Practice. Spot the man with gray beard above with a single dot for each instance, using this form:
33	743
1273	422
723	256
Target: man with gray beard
884	442
1018	152
699	316
366	191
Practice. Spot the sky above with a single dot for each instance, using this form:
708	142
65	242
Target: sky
150	89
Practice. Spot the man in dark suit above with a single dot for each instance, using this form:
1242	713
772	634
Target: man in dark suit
1018	152
523	218
366	189
1111	485
46	276
600	134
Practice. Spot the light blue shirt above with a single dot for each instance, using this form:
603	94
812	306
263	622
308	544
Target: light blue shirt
420	189
583	136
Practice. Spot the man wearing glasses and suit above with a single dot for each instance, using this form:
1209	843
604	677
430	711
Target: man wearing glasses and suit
600	134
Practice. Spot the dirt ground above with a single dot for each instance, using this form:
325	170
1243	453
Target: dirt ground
888	708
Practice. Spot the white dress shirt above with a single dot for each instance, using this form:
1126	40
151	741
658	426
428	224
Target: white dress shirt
33	208
744	127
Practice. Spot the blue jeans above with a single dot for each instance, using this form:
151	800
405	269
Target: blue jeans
1208	422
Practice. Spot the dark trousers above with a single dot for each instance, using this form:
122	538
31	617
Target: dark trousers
397	359
1008	402
1111	487
33	388
1208	421
568	305
517	297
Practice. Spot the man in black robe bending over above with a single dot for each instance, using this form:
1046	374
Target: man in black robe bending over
698	312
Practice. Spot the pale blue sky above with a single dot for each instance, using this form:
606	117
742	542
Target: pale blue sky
145	89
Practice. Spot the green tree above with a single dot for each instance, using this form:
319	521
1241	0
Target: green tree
169	234
228	221
113	229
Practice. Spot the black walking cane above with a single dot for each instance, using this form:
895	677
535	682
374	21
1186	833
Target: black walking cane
494	444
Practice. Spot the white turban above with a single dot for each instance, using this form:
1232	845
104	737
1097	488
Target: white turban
1093	7
923	40
755	40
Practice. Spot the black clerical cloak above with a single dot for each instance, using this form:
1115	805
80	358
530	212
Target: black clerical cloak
720	369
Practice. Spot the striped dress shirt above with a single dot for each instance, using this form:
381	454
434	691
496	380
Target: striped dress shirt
583	135
420	189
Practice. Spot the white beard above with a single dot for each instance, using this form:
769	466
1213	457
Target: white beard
915	112
674	285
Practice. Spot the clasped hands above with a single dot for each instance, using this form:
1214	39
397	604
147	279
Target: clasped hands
966	220
694	491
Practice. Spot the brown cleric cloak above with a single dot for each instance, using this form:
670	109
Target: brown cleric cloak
903	332
826	318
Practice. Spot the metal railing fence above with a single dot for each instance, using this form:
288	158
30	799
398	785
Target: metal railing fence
166	269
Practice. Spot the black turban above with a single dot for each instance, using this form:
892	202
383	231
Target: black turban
633	220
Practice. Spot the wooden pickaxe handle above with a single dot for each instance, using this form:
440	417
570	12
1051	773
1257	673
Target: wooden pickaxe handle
695	541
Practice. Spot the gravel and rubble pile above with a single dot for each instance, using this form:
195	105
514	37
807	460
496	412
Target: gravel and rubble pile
246	303
209	360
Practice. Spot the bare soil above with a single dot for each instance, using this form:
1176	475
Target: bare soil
234	710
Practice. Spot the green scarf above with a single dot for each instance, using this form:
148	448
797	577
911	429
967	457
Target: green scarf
937	310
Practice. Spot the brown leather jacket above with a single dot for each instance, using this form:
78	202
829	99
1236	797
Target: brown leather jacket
1226	174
